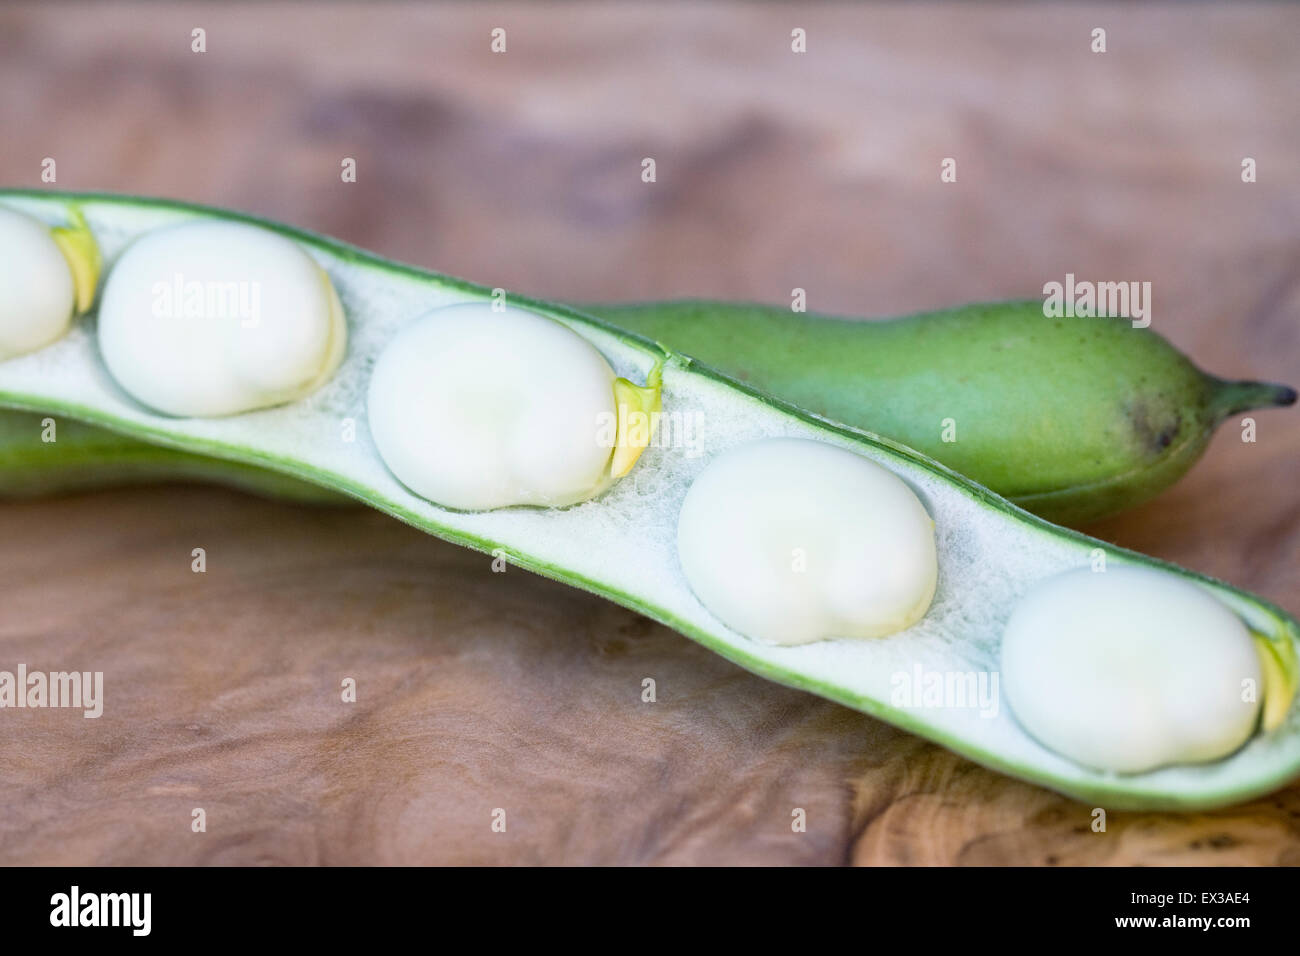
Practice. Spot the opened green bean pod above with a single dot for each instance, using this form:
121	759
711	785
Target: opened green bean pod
815	554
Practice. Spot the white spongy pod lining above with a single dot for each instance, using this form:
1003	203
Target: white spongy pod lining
216	318
36	286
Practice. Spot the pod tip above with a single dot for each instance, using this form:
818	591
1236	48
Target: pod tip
1237	397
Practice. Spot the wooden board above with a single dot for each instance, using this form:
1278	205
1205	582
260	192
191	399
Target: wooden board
477	690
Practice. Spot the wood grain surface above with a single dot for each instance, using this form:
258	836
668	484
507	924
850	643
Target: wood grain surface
478	690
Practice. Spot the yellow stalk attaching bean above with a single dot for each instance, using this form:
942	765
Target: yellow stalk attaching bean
77	243
638	410
1281	679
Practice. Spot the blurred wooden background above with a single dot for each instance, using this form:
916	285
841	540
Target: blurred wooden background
775	170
